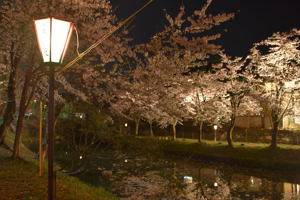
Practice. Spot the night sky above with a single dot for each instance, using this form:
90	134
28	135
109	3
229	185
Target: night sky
255	19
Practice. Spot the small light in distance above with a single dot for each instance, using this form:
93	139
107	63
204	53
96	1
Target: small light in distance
188	179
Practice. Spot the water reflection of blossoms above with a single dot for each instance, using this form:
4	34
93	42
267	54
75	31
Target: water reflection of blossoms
148	178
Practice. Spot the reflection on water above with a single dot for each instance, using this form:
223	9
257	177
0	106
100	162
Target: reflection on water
148	178
291	191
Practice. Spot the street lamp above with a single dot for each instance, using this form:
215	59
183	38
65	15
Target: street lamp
215	128
53	37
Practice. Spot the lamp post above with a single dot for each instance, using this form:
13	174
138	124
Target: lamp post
215	129
53	37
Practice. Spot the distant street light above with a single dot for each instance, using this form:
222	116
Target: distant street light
188	179
53	37
188	99
125	124
215	129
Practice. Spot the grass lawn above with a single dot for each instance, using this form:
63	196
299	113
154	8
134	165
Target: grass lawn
25	153
240	144
257	155
20	181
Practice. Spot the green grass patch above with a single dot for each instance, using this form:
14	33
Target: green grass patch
251	155
20	180
285	157
25	153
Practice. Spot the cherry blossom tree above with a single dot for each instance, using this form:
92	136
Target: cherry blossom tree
150	96
275	64
135	97
202	98
13	37
236	88
173	111
129	103
184	43
92	19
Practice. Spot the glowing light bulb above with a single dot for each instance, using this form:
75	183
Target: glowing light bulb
215	127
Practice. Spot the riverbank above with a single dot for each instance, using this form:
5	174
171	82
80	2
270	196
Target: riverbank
19	180
251	155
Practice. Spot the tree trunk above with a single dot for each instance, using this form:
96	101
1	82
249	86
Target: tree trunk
274	135
22	110
10	109
174	131
7	120
151	129
229	136
16	150
230	130
200	131
137	125
121	127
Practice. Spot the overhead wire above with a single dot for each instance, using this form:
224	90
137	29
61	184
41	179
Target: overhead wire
107	35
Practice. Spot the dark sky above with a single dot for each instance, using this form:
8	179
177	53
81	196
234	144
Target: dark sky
255	19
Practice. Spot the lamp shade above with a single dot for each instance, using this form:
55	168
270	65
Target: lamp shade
53	37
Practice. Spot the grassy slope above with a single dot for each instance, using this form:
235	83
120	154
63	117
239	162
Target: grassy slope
249	154
19	180
25	153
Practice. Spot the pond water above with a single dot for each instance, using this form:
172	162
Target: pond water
141	177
